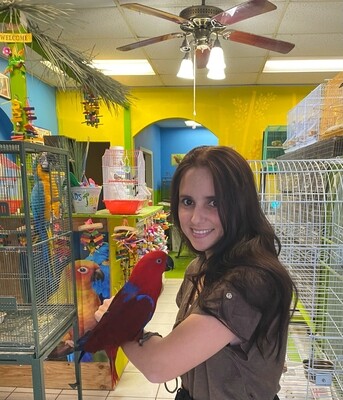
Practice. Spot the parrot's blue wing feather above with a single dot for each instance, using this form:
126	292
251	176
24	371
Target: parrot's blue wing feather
79	346
143	298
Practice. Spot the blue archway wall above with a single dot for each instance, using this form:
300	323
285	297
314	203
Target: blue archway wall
5	126
163	142
41	96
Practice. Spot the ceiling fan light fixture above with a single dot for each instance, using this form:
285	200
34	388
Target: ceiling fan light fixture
186	68
216	74
216	59
185	46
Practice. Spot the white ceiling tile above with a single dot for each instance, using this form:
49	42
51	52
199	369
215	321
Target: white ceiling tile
315	45
150	80
311	78
243	79
316	17
245	65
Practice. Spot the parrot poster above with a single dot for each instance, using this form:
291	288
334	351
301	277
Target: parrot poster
130	310
86	272
88	301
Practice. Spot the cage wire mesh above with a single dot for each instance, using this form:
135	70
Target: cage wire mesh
303	120
303	201
328	148
37	299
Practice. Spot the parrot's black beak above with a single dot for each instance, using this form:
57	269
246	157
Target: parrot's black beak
169	264
98	275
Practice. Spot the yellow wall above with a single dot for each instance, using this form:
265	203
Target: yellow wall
70	120
236	115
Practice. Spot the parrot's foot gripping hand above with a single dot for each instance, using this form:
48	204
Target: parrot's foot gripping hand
146	336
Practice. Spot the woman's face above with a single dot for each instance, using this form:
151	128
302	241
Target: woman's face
198	213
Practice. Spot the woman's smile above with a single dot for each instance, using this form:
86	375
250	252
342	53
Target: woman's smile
203	232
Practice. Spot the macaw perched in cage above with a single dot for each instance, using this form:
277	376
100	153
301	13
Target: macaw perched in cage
46	210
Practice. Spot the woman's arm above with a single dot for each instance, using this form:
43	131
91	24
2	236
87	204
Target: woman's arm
193	341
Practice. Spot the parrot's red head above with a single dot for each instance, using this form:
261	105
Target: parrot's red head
152	262
147	273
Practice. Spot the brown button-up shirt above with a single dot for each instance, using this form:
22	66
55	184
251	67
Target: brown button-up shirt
236	372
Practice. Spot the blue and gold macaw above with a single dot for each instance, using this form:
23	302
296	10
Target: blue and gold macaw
45	207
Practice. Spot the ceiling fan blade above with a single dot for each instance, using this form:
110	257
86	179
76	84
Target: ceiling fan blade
153	40
258	41
155	12
244	11
201	57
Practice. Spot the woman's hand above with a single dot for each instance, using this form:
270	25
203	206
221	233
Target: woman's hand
103	309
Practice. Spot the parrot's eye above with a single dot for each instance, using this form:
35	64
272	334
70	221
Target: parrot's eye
83	270
159	261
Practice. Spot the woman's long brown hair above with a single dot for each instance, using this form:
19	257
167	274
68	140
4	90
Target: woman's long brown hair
249	247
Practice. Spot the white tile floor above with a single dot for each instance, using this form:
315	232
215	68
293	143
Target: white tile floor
132	384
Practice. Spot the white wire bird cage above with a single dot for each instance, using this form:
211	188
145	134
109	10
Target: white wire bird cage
124	185
37	283
303	199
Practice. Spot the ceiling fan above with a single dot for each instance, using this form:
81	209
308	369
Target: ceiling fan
203	24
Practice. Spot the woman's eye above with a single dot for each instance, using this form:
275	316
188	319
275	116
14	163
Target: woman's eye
186	202
213	203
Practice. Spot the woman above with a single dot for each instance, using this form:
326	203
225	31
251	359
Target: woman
229	339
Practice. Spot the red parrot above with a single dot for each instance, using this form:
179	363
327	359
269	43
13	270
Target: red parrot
130	310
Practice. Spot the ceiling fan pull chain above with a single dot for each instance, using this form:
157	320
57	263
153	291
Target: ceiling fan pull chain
194	85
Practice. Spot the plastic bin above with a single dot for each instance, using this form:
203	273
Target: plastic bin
128	207
85	199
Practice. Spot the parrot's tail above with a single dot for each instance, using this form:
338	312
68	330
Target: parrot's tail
112	355
111	352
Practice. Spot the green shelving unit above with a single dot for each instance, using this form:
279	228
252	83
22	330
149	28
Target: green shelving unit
273	138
